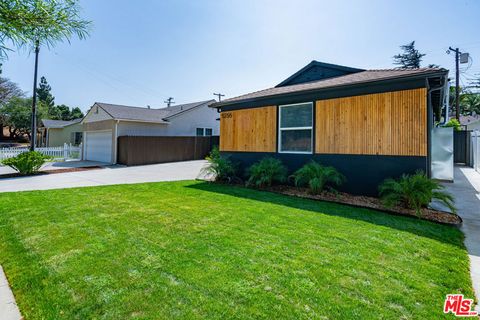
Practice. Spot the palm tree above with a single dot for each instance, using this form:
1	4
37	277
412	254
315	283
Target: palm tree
32	24
471	103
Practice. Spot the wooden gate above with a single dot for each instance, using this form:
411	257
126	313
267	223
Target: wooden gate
462	147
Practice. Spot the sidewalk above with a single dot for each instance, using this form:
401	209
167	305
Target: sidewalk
466	190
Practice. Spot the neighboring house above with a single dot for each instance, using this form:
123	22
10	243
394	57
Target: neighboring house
369	124
55	133
104	123
470	122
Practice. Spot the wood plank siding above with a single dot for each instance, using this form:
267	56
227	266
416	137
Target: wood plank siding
392	123
251	130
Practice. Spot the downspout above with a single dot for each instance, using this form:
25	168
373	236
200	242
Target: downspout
430	123
116	142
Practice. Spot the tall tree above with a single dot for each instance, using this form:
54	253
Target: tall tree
76	113
409	58
37	23
8	90
44	95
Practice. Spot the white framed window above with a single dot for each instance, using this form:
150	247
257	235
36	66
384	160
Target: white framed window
295	128
204	132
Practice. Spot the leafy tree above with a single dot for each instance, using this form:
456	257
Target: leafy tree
44	95
470	103
409	58
8	90
76	113
17	113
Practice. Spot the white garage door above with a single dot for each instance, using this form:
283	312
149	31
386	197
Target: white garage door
98	146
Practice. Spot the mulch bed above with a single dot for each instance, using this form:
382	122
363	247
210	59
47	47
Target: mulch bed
370	203
44	172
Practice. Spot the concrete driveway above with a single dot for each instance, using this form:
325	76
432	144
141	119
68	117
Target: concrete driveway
59	165
106	176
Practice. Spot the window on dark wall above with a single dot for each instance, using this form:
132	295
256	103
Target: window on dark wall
296	128
76	138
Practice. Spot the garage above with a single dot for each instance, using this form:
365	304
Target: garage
98	146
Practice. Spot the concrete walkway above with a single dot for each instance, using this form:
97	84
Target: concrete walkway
466	190
107	176
8	306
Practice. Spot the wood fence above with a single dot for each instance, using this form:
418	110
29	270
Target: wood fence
133	150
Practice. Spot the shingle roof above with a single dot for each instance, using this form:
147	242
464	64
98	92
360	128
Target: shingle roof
466	120
47	123
350	79
145	114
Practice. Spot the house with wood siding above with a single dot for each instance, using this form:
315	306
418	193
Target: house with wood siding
369	124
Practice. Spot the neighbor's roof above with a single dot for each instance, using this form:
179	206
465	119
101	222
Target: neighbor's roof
466	120
162	115
57	124
361	77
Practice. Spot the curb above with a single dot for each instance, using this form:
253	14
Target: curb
8	307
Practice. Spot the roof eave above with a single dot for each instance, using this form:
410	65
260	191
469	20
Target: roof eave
442	72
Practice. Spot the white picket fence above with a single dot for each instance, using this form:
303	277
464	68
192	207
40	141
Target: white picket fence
476	149
67	152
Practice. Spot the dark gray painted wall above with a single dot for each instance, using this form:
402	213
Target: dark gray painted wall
363	172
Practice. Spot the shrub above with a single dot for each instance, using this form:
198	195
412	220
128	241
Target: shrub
414	192
317	177
27	162
220	167
453	123
266	172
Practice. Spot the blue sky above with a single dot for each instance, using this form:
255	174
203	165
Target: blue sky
141	52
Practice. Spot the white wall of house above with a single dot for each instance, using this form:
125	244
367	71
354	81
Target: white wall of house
185	124
96	114
473	126
133	128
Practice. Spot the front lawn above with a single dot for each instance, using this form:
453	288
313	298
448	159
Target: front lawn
193	250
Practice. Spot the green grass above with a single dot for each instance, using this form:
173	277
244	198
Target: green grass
193	250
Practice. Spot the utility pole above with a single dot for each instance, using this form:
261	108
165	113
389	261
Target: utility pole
169	101
457	81
219	95
33	134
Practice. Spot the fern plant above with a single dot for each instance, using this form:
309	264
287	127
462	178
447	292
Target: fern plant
414	192
266	172
318	177
220	167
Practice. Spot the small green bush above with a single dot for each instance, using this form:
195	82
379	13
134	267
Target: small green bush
414	192
453	123
266	172
27	162
318	177
220	167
